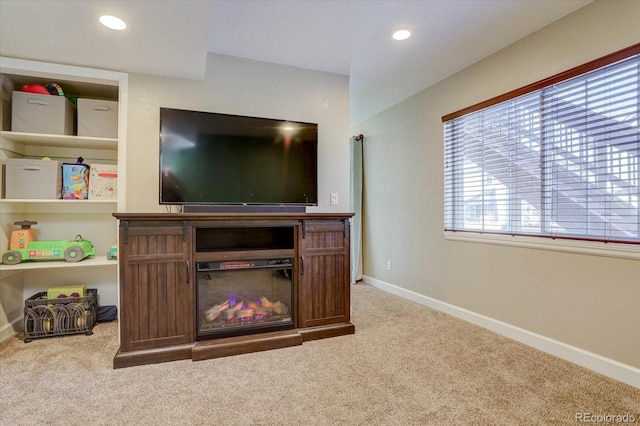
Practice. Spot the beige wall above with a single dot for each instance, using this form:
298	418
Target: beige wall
243	87
586	301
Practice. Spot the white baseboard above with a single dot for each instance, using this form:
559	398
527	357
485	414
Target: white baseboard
11	329
606	366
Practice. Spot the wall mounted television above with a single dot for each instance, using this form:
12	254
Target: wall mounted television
213	159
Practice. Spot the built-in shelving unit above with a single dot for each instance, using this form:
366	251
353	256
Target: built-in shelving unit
60	219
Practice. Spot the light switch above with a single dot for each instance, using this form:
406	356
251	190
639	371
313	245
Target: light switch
334	198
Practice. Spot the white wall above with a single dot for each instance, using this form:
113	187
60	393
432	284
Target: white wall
588	302
243	87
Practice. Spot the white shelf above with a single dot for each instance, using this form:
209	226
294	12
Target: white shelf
56	201
92	262
62	141
18	205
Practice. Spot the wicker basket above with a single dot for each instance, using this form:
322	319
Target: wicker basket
58	317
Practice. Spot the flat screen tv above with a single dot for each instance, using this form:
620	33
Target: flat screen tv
220	159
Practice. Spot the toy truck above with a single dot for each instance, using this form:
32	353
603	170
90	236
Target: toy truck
24	246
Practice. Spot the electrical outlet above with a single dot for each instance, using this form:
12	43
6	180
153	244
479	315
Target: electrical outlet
388	265
334	198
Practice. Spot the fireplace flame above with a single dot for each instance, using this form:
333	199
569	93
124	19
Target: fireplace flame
232	310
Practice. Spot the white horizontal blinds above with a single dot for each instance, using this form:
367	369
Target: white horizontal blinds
449	176
592	153
492	173
561	161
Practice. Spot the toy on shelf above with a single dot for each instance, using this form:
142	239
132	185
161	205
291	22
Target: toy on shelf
50	89
55	89
35	88
113	252
75	180
24	246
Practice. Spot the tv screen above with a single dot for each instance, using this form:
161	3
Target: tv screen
221	159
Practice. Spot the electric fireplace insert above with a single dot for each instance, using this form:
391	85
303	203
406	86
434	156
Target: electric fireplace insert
244	297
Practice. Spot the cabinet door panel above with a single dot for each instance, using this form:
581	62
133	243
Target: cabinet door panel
156	294
324	275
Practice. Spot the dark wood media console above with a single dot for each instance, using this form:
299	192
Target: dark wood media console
159	254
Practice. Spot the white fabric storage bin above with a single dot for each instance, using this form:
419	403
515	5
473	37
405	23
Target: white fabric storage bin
97	118
30	179
103	181
36	113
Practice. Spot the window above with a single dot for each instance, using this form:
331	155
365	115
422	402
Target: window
560	158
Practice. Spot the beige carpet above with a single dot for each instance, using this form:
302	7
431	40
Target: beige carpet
406	365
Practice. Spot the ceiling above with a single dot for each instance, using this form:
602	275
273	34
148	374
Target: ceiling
350	37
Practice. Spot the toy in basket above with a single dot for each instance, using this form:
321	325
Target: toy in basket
46	317
24	246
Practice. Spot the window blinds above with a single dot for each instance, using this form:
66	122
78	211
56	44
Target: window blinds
560	161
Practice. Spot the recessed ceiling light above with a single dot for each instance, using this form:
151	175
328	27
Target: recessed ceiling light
402	34
112	22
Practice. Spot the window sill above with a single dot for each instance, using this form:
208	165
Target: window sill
624	251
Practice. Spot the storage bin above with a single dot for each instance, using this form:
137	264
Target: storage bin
36	113
75	181
103	182
44	317
34	179
97	118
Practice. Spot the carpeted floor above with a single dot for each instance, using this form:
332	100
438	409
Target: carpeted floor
406	365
